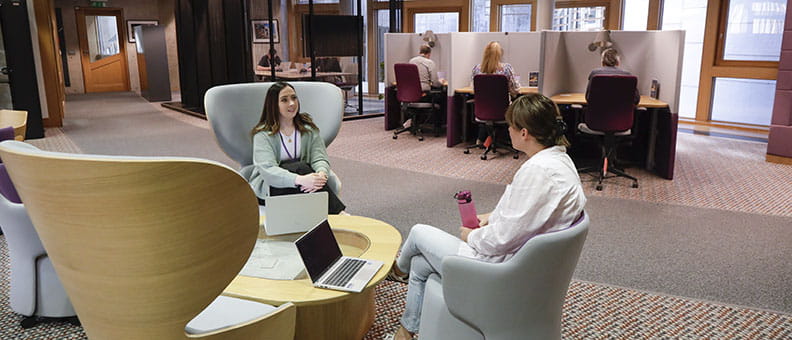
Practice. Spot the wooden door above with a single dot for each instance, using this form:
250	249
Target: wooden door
102	49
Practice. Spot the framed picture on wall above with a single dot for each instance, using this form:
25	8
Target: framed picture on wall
262	33
131	24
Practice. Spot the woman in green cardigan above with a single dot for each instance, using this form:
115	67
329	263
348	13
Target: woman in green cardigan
289	155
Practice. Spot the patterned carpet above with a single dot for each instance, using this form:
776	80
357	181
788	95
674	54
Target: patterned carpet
592	310
724	179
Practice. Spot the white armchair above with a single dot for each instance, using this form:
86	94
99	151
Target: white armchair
36	290
234	110
521	298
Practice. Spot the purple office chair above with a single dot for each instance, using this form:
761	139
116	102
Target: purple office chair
609	117
412	99
489	108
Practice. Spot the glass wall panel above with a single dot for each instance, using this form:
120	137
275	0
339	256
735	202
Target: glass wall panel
440	22
579	18
635	15
688	15
515	18
747	101
481	15
754	29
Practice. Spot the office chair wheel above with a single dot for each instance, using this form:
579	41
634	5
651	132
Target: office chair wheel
420	139
599	187
467	152
29	322
635	184
395	137
483	157
516	156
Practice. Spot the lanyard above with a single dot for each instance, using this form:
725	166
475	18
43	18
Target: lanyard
286	148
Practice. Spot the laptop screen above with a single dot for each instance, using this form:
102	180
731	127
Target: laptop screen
318	249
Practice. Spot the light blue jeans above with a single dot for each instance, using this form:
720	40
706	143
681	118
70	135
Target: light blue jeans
421	255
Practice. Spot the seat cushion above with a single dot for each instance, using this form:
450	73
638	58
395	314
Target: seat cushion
224	312
585	129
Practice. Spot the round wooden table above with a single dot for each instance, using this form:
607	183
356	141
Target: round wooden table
325	313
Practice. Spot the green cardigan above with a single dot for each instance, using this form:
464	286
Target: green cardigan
266	171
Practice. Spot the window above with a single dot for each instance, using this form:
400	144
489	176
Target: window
437	22
579	18
753	30
748	101
481	15
635	15
688	15
515	18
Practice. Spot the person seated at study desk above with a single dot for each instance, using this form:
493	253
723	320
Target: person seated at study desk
491	64
289	155
427	71
264	62
610	66
544	196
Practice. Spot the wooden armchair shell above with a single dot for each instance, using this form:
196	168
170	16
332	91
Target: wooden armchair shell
142	244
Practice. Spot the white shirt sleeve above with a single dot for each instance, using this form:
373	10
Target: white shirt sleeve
524	210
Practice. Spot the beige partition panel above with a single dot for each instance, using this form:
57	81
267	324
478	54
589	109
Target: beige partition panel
401	47
646	54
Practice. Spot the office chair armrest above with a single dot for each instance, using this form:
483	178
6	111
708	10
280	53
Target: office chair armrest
278	325
468	285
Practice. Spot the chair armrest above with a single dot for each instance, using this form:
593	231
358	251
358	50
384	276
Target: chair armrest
467	287
278	325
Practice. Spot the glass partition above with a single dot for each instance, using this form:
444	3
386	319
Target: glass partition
688	15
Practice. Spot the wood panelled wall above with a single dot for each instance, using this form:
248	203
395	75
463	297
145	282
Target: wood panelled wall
214	46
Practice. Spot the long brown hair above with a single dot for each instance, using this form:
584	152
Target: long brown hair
540	116
493	53
270	121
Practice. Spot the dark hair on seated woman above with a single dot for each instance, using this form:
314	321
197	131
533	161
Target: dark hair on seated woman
540	116
270	116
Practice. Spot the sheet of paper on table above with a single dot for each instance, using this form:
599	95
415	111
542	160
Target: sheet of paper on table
275	260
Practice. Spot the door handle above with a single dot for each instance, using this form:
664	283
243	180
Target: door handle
5	70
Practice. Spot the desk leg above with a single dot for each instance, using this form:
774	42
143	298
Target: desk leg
650	152
465	122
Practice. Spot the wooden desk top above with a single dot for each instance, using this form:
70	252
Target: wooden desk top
523	90
16	119
383	241
580	98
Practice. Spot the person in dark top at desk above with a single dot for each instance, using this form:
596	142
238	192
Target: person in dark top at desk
545	195
264	62
610	66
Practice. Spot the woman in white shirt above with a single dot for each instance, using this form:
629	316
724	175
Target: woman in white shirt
544	196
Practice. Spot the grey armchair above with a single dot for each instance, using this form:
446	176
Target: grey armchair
234	110
36	290
521	298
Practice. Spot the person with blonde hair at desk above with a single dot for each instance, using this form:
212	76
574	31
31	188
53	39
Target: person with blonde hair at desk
491	63
544	196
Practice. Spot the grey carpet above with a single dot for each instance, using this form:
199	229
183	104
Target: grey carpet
727	257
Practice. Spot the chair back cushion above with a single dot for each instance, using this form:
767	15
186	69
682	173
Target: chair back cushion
141	244
611	103
234	110
6	133
408	83
491	96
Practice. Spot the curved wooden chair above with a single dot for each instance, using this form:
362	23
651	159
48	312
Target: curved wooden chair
144	245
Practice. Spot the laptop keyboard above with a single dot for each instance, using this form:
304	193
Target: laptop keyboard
344	273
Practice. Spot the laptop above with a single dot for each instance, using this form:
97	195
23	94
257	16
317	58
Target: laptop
325	265
296	213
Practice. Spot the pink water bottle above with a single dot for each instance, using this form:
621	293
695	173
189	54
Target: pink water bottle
467	210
